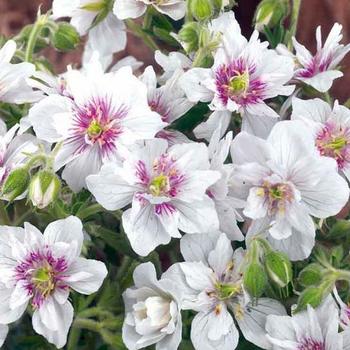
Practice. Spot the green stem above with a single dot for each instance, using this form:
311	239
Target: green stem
85	323
293	22
33	36
95	311
147	20
138	31
19	220
198	59
74	336
91	210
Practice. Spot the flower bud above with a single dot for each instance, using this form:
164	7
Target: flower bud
270	12
15	184
202	9
255	279
311	275
44	188
278	268
66	37
189	35
310	296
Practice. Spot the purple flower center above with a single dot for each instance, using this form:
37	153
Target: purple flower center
97	123
317	65
334	141
310	344
237	82
277	196
41	274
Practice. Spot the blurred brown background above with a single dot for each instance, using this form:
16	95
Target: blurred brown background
14	14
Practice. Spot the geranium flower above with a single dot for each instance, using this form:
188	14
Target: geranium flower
107	34
285	183
40	269
124	9
310	329
244	75
167	190
13	77
330	129
152	311
103	113
211	280
321	69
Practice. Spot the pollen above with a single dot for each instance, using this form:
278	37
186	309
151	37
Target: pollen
159	185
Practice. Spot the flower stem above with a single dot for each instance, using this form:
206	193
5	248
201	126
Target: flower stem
139	32
33	36
91	210
4	218
293	22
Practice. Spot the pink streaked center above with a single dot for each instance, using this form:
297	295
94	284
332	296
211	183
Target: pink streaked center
310	344
97	123
41	274
163	180
235	82
334	141
157	104
276	196
317	64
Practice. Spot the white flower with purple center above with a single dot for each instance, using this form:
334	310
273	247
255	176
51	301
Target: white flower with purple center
167	189
13	77
169	101
330	128
107	35
211	281
104	113
124	9
245	74
286	183
14	150
152	311
312	329
319	70
40	269
226	205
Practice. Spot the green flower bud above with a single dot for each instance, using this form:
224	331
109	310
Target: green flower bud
189	35
44	188
311	275
255	279
278	268
66	37
270	12
15	184
310	296
202	9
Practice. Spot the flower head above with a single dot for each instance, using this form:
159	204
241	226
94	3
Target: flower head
166	187
40	270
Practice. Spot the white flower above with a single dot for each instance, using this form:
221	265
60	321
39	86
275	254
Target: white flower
285	183
167	189
103	113
319	70
107	36
14	150
225	204
330	129
168	101
40	269
13	84
175	61
4	329
310	329
211	280
152	311
244	75
124	9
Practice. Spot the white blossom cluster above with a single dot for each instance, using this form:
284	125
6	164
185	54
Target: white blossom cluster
112	131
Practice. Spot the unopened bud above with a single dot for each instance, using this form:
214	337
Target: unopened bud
255	279
44	188
311	275
278	268
270	12
310	296
66	37
15	184
189	35
202	9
